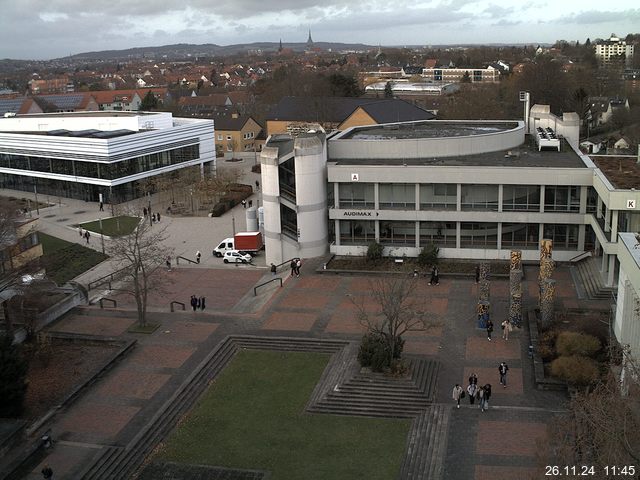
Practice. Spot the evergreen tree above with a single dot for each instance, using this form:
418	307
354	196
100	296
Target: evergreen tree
149	102
13	374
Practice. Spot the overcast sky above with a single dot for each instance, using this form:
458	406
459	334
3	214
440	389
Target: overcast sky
42	29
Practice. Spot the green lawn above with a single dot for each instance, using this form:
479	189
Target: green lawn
65	260
253	417
113	226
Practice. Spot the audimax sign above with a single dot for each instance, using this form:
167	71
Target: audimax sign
359	213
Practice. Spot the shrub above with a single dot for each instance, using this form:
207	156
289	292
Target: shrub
574	343
374	252
428	255
546	351
374	352
13	374
575	369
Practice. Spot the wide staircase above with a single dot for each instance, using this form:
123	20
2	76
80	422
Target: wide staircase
589	275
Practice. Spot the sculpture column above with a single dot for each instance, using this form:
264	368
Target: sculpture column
483	296
515	289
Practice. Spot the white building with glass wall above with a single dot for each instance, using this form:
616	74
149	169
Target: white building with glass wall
85	154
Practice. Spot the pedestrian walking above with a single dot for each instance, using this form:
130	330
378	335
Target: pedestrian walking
202	305
273	269
473	379
257	185
47	473
198	255
458	393
194	302
87	236
480	397
144	211
486	395
293	267
244	203
101	207
168	263
298	265
489	329
435	276
250	203
81	232
506	329
153	218
472	389
477	273
158	216
503	368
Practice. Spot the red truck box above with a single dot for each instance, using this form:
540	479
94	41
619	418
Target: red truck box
248	241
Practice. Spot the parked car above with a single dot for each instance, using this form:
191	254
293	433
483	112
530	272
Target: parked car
235	256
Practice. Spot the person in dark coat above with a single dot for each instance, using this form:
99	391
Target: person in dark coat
194	302
87	235
293	267
486	395
47	473
472	389
144	211
158	216
503	368
202	305
435	276
489	329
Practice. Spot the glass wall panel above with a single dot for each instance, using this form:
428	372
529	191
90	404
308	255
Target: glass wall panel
558	198
480	197
524	235
400	196
478	235
289	222
438	196
442	234
398	233
64	167
521	198
356	195
357	232
565	237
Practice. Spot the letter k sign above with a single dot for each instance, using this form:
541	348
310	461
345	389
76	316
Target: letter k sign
631	204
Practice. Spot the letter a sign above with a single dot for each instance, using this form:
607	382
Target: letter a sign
355	177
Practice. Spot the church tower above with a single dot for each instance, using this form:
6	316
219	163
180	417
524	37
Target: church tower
309	42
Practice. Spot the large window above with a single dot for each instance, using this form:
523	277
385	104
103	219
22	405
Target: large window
401	196
520	235
592	200
438	196
398	233
442	234
287	176
480	197
289	222
356	195
561	199
565	237
521	198
478	235
357	232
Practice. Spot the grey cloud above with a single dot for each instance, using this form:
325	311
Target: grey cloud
506	23
594	17
497	11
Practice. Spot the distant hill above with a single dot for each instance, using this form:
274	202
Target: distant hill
182	50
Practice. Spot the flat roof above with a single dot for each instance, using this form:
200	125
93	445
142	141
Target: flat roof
526	155
428	129
622	172
98	113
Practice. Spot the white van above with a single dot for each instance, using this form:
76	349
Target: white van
226	244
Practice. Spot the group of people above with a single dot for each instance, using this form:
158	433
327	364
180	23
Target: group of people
295	265
506	326
84	234
197	303
155	217
475	392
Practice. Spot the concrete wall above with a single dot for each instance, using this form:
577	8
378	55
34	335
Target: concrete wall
568	126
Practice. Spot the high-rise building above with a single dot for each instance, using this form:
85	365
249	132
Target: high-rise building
608	51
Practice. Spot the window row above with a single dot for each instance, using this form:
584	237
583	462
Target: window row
444	234
444	196
107	171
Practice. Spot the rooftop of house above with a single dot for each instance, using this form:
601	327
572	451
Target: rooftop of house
438	129
622	172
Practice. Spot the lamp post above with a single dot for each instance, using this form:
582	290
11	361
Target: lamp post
35	191
149	200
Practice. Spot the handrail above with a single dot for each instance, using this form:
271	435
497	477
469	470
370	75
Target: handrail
184	258
102	299
101	280
580	256
176	302
284	263
255	289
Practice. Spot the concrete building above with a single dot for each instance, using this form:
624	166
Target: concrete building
85	154
613	49
456	75
476	189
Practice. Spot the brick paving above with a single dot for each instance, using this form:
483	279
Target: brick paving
497	444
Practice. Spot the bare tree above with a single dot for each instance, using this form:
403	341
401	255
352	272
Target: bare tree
602	425
140	254
399	310
212	188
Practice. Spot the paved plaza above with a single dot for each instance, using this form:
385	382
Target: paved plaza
497	444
